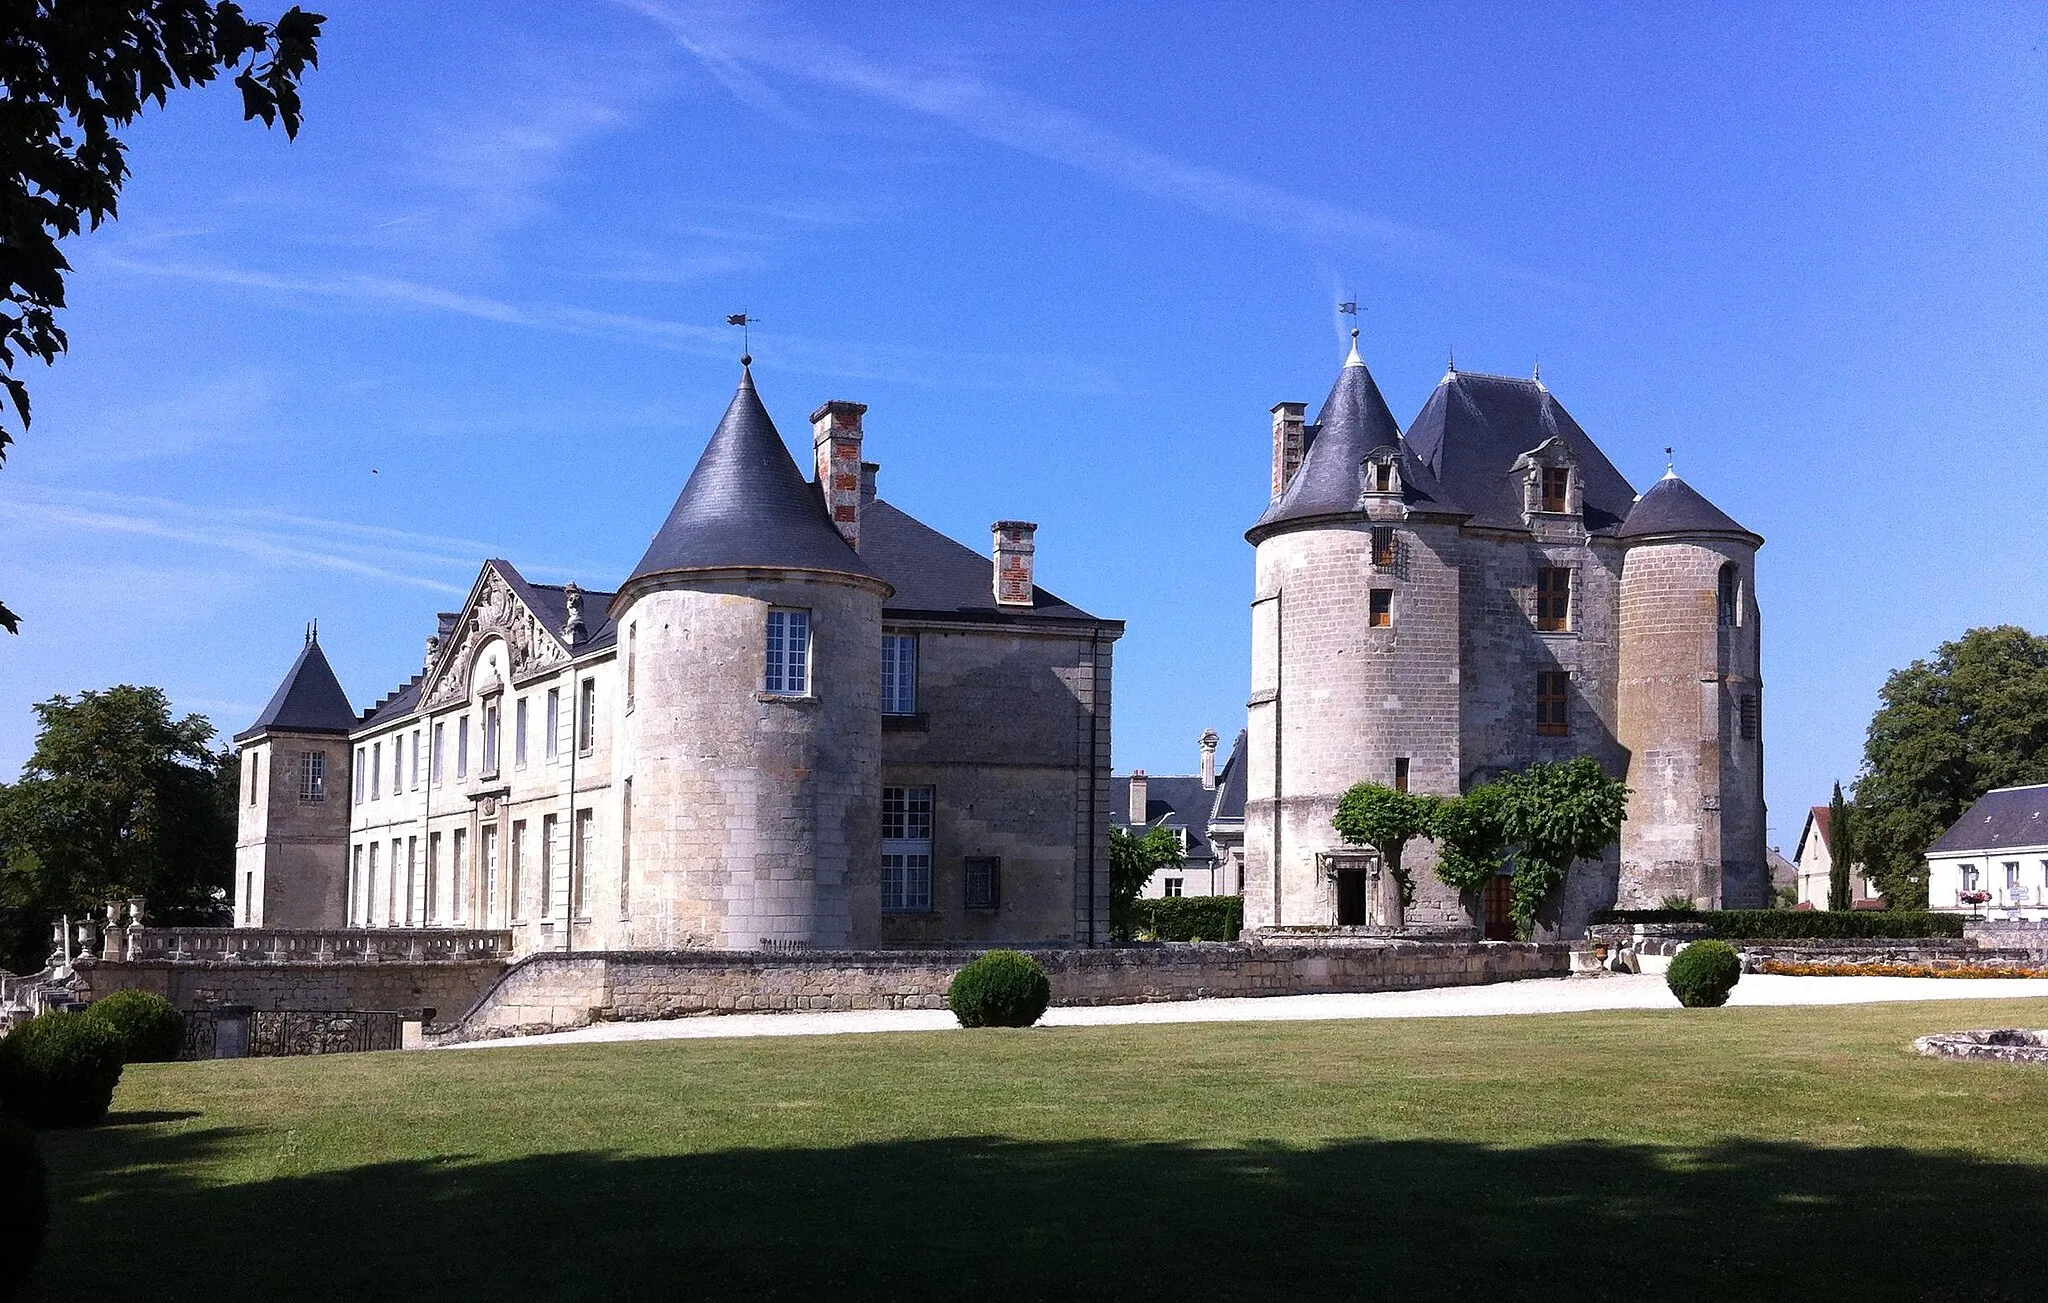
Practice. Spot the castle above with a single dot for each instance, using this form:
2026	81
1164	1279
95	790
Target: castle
804	719
1486	591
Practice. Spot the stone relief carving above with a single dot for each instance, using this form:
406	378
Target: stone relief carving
496	613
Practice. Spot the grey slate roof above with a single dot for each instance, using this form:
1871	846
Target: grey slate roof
1230	785
1176	800
1474	427
1674	507
747	504
936	576
2006	818
310	700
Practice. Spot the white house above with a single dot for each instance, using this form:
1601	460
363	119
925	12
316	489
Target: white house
1999	846
1815	857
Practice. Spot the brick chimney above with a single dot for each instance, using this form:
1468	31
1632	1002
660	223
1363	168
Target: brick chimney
868	472
835	439
1209	740
1289	443
1016	545
1140	797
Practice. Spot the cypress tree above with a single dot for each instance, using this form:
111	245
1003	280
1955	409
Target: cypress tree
1839	851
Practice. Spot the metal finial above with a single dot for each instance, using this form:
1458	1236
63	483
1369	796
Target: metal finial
1537	373
746	359
1453	367
1670	464
313	632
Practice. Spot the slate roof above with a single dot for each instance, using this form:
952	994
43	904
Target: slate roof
2004	819
1179	800
1230	785
1674	507
1474	427
935	576
310	700
747	504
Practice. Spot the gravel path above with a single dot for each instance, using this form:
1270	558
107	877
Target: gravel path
1543	995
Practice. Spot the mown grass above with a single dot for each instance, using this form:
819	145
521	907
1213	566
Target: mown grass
1739	1153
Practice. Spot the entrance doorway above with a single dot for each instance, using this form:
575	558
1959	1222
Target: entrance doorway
1496	908
1354	894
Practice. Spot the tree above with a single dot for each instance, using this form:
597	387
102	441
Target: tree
1132	862
74	72
118	800
1947	731
1554	814
1471	833
1839	852
1386	820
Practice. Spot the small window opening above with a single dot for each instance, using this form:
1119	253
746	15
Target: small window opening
1554	703
1730	596
1383	553
1380	608
1400	773
1556	488
1554	599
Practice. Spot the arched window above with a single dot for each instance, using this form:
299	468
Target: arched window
1731	595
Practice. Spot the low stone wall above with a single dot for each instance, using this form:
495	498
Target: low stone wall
448	987
1927	953
551	992
2030	935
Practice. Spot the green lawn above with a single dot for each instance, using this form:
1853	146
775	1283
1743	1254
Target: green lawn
1745	1153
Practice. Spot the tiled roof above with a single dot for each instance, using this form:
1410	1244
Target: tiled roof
1674	507
2006	818
310	699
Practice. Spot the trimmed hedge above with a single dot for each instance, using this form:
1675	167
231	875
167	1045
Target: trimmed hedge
1190	918
24	1205
1797	924
1003	988
60	1069
1702	974
150	1027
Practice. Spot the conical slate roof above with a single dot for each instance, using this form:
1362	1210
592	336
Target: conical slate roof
1674	507
1354	421
747	504
310	699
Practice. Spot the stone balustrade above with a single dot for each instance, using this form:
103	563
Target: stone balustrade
201	945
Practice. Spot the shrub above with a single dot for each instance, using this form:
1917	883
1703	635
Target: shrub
150	1027
1703	974
60	1069
24	1205
1191	918
1786	924
1001	989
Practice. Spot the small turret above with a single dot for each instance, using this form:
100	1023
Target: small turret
295	772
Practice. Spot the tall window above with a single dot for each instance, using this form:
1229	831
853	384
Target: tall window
391	896
579	866
412	858
415	784
370	890
554	723
1400	773
355	888
626	850
313	777
376	770
899	674
248	896
518	910
458	877
519	733
2012	880
1557	481
462	746
984	873
789	653
433	877
1554	703
360	767
1969	878
1384	551
547	865
586	723
1553	599
255	765
1379	611
439	760
397	763
1730	595
632	646
487	909
490	738
907	849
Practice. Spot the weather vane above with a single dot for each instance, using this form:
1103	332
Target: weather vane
745	323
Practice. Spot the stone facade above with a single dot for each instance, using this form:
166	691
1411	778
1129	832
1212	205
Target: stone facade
449	988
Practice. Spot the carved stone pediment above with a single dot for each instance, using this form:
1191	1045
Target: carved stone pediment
494	611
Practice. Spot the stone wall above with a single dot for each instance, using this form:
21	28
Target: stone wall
448	988
552	992
2030	935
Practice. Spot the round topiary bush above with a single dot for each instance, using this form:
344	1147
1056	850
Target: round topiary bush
151	1028
24	1205
1001	989
60	1070
1702	974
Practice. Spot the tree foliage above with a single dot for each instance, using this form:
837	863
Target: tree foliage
1557	813
1841	854
1947	731
118	800
1132	862
75	72
1471	833
1386	820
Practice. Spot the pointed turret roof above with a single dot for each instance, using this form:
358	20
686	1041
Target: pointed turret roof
310	699
1354	421
747	504
1674	507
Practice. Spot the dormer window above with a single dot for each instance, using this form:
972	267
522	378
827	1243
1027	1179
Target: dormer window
1557	483
1549	479
1382	472
1383	478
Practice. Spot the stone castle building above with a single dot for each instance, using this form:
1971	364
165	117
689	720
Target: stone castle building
805	719
1439	607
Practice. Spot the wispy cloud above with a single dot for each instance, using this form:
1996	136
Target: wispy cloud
224	409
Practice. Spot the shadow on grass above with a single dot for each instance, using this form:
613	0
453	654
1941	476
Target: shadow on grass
987	1218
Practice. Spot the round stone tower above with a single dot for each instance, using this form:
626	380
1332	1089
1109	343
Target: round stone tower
1690	709
750	634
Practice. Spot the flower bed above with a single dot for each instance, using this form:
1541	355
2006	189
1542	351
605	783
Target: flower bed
1784	968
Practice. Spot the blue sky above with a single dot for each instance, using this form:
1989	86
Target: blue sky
1069	260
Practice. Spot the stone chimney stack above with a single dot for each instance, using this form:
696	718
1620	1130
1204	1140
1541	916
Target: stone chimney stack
1140	797
835	438
868	472
1016	545
1289	443
1209	740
